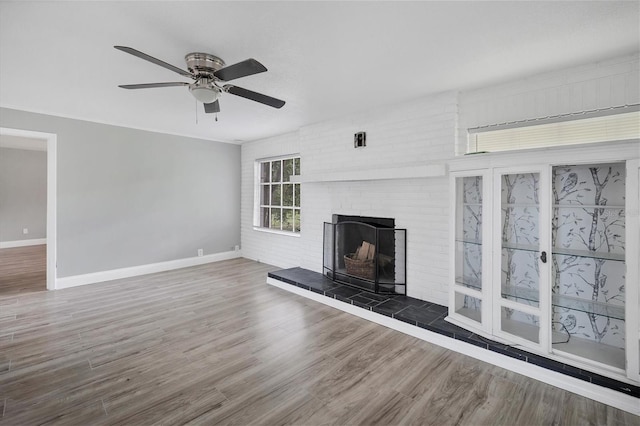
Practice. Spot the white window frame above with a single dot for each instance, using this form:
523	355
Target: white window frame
588	127
259	186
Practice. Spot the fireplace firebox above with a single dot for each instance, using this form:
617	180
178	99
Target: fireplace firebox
366	252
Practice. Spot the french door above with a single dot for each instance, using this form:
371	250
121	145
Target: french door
520	256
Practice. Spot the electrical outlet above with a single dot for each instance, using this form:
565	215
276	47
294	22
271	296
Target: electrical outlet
237	248
200	252
25	231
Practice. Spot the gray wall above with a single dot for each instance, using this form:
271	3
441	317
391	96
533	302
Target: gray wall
129	197
23	194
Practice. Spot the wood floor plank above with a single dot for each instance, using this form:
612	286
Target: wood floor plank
213	344
23	270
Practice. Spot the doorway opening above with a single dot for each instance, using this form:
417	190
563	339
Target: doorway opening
28	245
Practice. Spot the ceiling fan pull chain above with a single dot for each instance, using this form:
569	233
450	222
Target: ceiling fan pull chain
196	104
216	116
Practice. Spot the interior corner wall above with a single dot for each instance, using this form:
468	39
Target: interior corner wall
129	197
417	132
275	249
23	194
614	82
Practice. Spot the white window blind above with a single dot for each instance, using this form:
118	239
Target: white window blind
562	131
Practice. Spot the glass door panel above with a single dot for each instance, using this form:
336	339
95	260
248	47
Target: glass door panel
468	306
523	325
469	232
520	238
466	297
588	262
521	257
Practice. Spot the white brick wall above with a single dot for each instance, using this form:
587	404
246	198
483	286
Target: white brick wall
275	249
419	205
611	83
397	136
424	131
418	132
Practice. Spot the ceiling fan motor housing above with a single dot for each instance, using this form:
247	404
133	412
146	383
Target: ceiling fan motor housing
203	64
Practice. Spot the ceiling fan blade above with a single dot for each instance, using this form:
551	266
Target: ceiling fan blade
212	107
151	85
254	96
153	60
241	69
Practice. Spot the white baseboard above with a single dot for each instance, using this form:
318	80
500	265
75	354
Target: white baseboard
133	271
23	243
589	390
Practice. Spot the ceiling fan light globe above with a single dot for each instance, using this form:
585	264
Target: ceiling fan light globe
204	94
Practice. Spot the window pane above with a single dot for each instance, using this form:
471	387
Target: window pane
287	170
276	167
296	221
266	195
275	219
616	127
287	195
287	219
275	195
279	198
264	172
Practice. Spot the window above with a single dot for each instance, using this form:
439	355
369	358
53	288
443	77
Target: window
600	126
279	194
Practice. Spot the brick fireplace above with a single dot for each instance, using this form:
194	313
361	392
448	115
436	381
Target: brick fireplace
365	252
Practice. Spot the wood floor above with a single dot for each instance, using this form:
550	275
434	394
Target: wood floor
215	345
23	270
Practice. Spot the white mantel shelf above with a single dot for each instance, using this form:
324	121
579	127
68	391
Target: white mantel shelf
408	172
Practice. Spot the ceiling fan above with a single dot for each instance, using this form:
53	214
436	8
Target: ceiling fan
208	71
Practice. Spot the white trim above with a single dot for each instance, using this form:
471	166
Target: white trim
366	174
133	271
52	164
23	243
562	381
276	231
258	186
277	157
632	292
52	197
562	155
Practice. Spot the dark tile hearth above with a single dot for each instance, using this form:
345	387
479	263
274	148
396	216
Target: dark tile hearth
431	316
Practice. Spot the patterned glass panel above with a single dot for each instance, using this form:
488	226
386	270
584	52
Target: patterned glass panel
588	262
520	277
469	232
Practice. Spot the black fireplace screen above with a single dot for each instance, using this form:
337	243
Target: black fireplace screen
366	255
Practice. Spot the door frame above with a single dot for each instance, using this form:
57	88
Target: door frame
52	145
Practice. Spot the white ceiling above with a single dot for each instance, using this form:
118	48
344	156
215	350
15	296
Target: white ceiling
326	59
